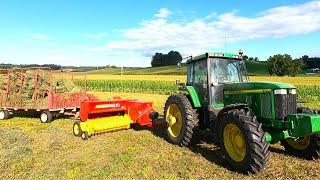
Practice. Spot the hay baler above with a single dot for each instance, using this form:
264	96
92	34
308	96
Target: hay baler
112	115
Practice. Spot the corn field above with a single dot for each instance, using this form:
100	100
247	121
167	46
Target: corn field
129	86
305	92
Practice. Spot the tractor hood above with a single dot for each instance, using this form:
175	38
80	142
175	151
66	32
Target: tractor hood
257	85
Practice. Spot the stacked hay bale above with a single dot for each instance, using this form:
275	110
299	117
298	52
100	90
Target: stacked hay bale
28	88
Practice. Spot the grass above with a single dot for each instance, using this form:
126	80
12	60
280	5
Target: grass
164	70
257	68
31	150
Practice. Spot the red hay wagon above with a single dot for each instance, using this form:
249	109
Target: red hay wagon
34	91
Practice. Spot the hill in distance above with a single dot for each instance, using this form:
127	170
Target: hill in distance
253	68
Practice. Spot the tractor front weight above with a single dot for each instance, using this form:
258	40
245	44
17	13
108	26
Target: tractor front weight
295	126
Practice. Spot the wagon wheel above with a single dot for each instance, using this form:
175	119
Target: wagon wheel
46	117
4	114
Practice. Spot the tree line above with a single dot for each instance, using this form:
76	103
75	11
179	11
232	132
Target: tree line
284	64
9	66
279	64
172	58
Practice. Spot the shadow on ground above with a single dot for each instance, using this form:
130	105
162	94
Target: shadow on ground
204	144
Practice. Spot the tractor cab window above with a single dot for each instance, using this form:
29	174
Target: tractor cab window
226	71
190	74
200	72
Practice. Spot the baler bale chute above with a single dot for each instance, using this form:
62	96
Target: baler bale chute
112	115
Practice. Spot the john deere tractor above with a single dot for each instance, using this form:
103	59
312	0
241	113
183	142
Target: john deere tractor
244	117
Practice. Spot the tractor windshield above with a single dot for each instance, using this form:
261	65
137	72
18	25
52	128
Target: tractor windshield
227	71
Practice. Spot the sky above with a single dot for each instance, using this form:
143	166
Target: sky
128	33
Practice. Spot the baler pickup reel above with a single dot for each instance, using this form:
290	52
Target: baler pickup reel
112	115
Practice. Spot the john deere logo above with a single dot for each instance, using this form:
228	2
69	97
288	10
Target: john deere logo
102	106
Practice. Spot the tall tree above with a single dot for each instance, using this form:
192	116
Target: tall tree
172	58
157	59
282	65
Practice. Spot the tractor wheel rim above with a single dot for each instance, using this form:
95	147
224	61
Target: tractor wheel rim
44	117
300	144
1	114
174	119
234	142
76	129
83	136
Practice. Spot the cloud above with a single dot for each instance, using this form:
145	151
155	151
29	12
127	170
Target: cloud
40	37
210	31
97	36
163	13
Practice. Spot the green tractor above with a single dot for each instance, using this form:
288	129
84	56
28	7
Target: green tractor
244	117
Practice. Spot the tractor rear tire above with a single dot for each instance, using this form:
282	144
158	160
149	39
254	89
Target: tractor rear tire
4	114
182	120
46	117
306	148
242	142
77	129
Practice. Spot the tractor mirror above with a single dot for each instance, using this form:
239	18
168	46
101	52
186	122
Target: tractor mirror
178	82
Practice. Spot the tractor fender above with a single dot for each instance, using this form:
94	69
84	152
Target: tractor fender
228	108
193	96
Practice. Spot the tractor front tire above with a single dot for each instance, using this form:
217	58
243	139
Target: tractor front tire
77	129
181	118
45	117
307	147
4	114
242	142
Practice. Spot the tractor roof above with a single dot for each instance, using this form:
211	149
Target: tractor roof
215	54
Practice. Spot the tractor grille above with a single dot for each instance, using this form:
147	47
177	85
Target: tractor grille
285	104
266	99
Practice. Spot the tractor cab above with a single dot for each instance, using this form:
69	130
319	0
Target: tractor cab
209	72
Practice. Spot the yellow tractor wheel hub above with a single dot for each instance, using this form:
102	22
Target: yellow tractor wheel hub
174	119
300	144
234	142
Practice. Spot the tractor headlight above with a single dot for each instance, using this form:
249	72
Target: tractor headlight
280	91
292	91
